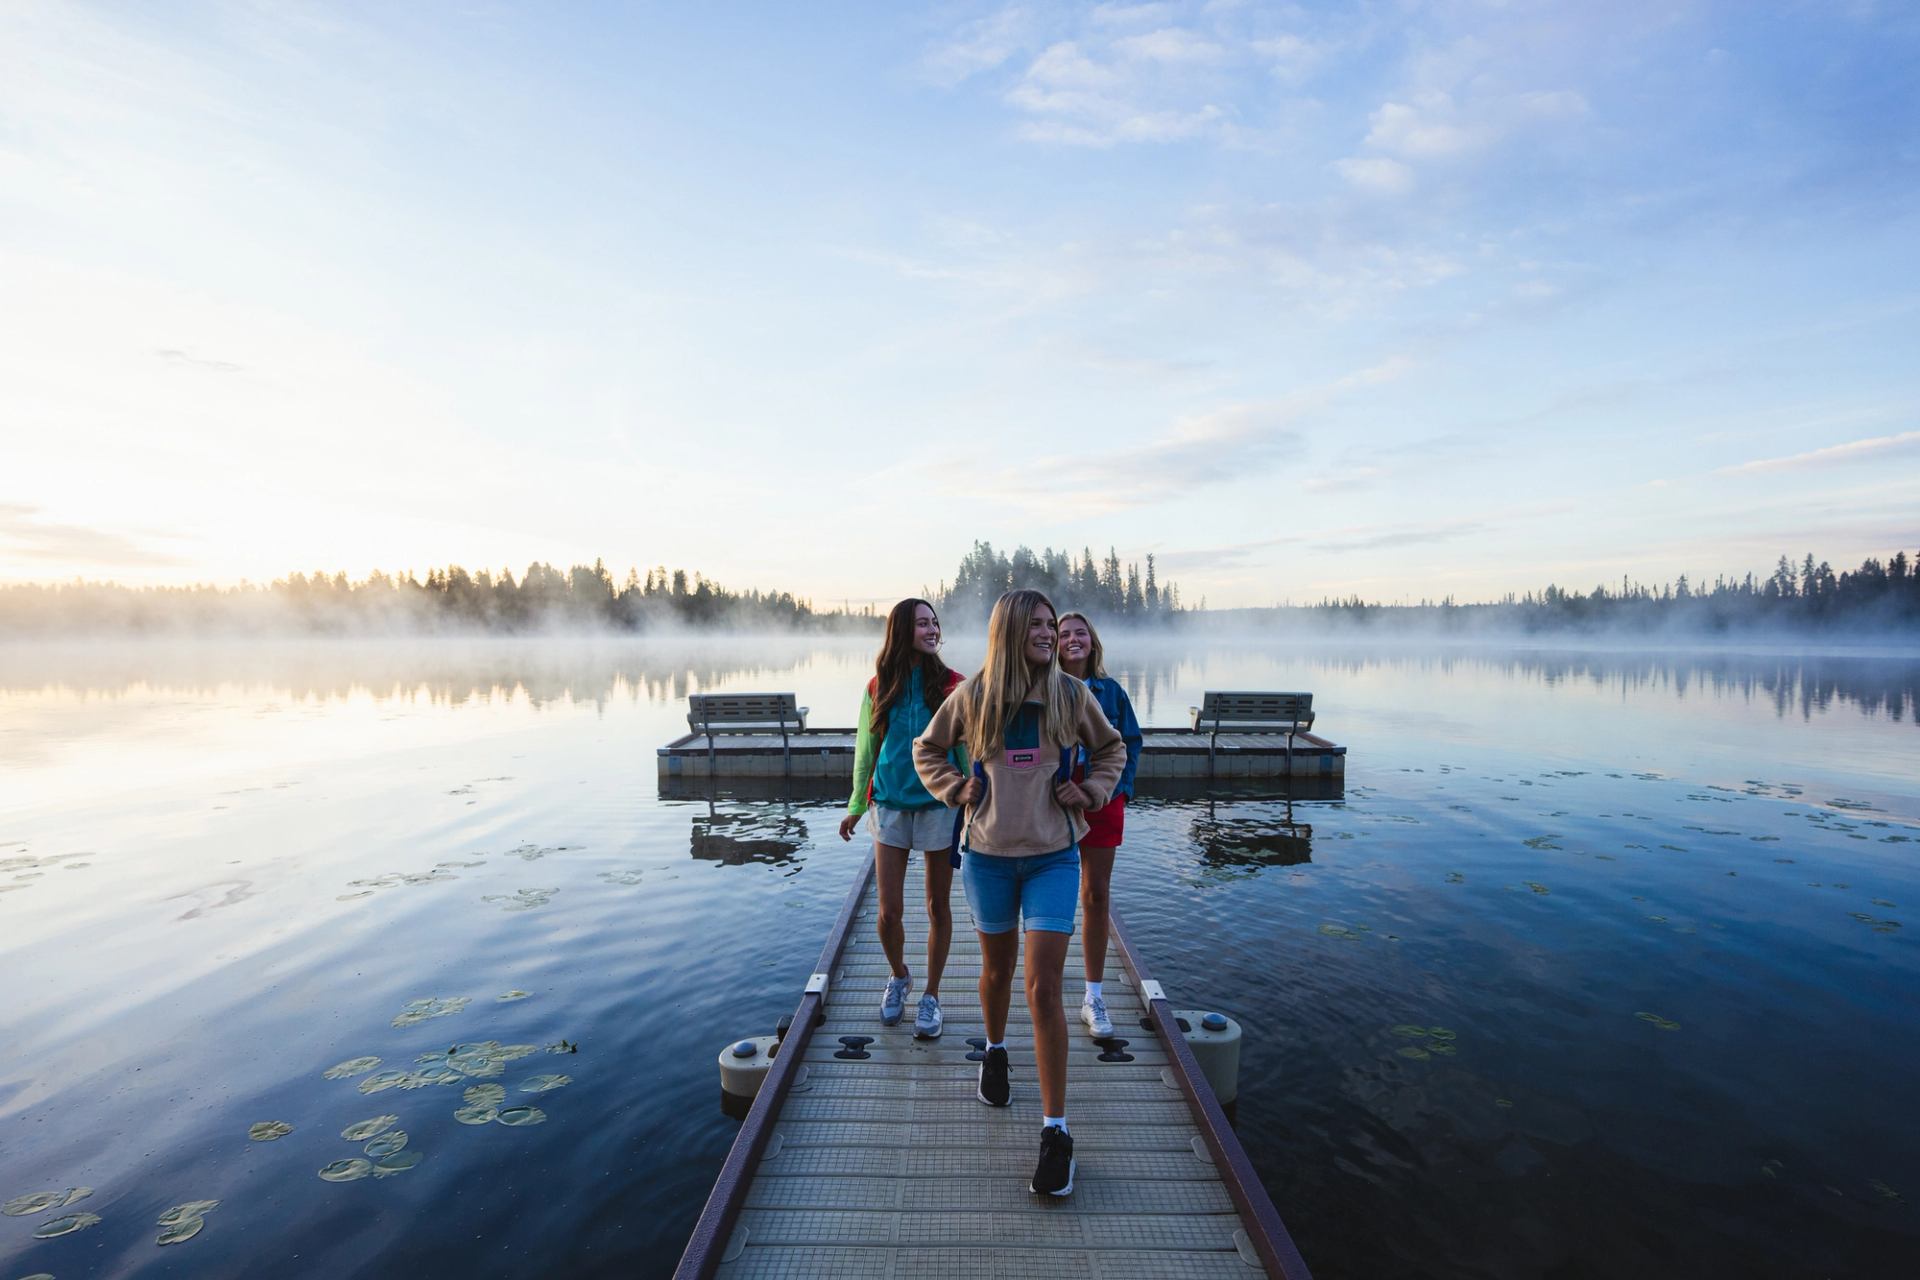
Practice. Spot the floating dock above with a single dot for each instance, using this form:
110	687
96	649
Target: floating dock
1165	753
876	1159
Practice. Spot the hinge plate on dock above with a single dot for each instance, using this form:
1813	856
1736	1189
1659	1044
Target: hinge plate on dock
1151	990
818	983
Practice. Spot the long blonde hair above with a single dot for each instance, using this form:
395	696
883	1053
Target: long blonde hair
1005	680
1096	656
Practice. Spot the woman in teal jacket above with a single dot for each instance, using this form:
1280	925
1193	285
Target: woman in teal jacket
909	683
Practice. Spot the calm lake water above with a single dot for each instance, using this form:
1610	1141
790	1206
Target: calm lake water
1665	902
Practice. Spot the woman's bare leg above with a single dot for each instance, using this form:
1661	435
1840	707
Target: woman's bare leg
1096	874
939	916
1046	962
890	878
998	952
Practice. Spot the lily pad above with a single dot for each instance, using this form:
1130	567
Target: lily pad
175	1232
1340	931
485	1095
41	1201
361	1130
1665	1024
1410	1031
545	1084
477	1113
386	1144
1412	1051
347	1170
515	994
65	1225
518	1116
418	1011
182	1212
398	1162
269	1130
380	1081
351	1067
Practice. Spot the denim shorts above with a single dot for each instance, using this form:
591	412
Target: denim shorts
923	829
1043	891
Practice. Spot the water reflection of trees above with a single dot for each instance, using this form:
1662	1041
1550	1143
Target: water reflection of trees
538	673
1798	684
1153	671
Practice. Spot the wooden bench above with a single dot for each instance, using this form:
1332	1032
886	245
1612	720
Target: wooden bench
1288	713
712	713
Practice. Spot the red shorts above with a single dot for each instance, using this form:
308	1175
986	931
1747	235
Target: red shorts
1106	825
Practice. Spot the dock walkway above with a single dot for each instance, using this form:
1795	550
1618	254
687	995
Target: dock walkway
886	1164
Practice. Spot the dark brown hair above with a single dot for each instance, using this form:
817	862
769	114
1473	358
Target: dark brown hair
898	658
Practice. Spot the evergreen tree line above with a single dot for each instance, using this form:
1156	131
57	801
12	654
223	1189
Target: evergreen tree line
582	597
1100	588
1810	597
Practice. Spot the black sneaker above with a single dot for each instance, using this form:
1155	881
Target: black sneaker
1054	1176
994	1090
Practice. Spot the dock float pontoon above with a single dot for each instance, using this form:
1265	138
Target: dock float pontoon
1166	753
866	1153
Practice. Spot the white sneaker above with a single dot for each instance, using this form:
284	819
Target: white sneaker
928	1019
1093	1012
893	1001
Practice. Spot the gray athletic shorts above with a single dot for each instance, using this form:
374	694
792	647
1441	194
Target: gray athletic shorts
921	829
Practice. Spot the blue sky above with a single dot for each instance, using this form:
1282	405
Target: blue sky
1402	299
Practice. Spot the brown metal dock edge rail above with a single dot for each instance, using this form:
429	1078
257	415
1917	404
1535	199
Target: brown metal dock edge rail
711	1233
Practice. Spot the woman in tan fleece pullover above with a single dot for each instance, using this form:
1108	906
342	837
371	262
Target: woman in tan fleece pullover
1021	718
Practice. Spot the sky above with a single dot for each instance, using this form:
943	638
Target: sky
1399	299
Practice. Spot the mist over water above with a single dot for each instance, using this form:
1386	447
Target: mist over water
1661	901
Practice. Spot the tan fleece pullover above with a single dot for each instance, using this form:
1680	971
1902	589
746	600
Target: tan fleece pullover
1020	817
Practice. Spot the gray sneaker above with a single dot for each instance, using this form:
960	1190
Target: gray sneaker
894	1002
928	1020
1093	1012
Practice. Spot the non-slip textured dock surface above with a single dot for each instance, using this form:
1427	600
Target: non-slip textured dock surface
890	1166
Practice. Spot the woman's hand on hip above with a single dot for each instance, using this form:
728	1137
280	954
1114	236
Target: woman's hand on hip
1071	796
971	793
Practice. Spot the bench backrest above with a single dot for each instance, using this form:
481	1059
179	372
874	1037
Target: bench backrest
1255	708
705	709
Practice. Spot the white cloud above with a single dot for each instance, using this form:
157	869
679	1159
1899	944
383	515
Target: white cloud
1131	15
1290	58
1423	131
978	46
1878	447
1169	44
1378	174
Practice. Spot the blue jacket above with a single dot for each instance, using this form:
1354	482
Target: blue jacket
1118	708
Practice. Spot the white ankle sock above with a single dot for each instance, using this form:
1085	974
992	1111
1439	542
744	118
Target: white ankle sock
1047	1122
996	1044
1093	990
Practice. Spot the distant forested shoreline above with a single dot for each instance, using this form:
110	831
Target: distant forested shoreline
1809	598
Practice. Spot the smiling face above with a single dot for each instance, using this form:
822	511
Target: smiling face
926	629
1040	636
1076	645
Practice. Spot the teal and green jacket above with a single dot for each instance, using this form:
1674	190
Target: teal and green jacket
883	772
